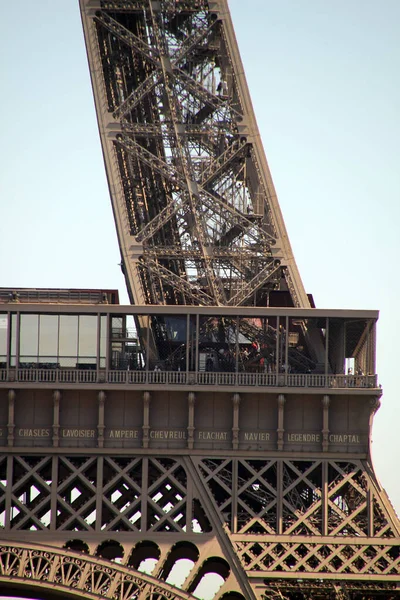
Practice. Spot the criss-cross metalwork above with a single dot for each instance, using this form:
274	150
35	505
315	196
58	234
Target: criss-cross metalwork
284	517
196	211
126	463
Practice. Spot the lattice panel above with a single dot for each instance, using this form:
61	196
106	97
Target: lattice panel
96	493
250	496
121	498
30	492
257	501
76	493
301	497
347	500
166	505
217	474
311	557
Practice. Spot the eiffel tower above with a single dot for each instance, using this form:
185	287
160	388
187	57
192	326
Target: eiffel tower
216	433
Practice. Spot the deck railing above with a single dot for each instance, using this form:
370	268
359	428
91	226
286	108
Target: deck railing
82	376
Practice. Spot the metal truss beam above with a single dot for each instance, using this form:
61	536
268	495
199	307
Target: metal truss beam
193	164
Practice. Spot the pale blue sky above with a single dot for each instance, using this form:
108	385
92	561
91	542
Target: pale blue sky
323	75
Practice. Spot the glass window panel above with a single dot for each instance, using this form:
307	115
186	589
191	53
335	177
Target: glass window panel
29	336
68	337
48	336
87	336
117	327
217	349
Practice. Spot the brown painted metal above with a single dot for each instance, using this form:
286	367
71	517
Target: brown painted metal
269	485
264	478
196	211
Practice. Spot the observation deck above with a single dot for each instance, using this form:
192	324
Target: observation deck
83	375
103	344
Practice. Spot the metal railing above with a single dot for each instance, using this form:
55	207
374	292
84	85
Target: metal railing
82	376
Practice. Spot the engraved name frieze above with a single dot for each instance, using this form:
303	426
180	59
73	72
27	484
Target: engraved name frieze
168	434
77	432
304	437
344	438
316	438
180	434
212	436
255	436
123	434
37	432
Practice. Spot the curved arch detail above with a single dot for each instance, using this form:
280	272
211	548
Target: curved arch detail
77	575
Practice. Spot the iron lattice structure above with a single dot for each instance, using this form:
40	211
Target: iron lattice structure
197	215
322	521
198	223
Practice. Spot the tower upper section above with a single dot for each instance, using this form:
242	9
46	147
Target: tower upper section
196	212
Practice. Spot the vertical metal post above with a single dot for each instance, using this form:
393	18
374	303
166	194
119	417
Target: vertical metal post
78	320
190	429
281	415
9	476
148	348
372	361
8	363
187	346
197	343
56	418
108	342
279	497
237	346
17	344
235	486
98	343
11	417
325	423
326	346
100	423
144	490
324	497
58	338
38	338
99	492
53	492
370	512
189	505
235	428
146	420
286	349
277	351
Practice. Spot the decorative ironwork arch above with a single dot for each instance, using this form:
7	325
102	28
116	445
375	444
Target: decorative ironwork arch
24	568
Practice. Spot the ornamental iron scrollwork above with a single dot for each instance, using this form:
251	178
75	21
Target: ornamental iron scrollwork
31	568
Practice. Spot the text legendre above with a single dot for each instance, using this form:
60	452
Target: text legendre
304	437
